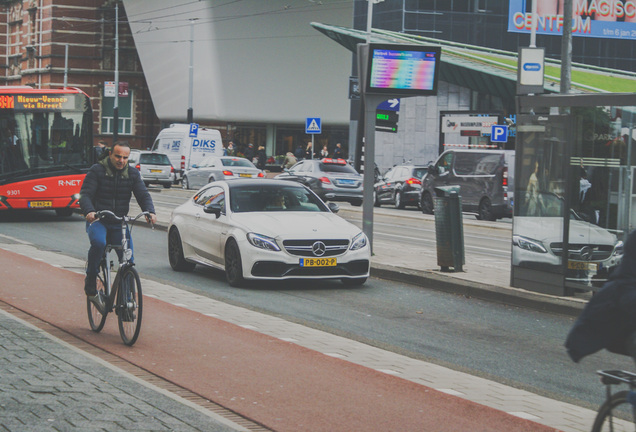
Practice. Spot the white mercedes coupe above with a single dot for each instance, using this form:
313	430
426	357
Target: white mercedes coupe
267	230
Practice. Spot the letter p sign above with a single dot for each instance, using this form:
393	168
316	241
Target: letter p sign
499	133
194	130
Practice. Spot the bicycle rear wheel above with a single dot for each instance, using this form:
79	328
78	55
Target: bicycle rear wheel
615	415
129	305
95	318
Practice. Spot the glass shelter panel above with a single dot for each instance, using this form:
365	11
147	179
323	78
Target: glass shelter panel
599	196
576	176
538	223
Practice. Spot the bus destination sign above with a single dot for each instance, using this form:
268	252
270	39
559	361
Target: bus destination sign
36	102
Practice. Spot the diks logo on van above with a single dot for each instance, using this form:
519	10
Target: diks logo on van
200	144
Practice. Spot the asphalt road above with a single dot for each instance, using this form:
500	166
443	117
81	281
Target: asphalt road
514	346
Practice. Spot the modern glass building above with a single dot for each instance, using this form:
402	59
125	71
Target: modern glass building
485	23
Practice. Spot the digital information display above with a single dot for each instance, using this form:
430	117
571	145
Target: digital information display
403	70
37	102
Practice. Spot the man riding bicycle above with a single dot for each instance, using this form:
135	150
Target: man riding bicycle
608	320
109	185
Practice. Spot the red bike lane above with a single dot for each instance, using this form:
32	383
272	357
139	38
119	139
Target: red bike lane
279	384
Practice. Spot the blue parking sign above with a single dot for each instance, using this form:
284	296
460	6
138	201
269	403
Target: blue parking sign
194	129
499	133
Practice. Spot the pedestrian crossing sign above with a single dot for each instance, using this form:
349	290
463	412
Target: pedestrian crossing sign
312	125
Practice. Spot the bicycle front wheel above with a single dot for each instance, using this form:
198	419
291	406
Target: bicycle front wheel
95	318
615	415
129	305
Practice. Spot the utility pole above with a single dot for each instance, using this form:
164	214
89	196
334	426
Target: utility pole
116	104
66	66
566	48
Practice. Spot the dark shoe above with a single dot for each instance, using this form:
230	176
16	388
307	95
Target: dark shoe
90	285
98	302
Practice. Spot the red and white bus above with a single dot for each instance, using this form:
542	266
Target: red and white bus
46	147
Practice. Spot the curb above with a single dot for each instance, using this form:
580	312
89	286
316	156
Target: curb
470	289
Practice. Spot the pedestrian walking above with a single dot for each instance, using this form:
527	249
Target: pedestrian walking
337	152
290	160
261	158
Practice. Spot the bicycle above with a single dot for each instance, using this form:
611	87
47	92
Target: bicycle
618	412
124	294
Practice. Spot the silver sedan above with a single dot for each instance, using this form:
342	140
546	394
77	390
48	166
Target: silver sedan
214	168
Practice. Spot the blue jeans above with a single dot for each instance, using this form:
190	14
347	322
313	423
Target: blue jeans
100	234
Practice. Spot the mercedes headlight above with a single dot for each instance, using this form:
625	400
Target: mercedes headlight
358	242
528	244
263	242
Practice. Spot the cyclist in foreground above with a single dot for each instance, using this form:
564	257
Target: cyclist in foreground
608	321
109	185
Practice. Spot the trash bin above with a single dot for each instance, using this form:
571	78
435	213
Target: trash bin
449	228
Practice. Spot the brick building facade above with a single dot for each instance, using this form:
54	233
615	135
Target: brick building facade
35	37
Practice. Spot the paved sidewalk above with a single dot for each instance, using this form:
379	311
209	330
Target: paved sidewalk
47	384
448	396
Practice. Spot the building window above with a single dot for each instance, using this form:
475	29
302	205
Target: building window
124	114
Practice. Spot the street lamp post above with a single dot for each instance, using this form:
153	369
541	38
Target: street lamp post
191	72
370	17
566	48
116	104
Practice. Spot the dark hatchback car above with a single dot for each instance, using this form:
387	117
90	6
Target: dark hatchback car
400	186
331	179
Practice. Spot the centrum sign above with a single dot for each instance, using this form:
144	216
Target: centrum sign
615	19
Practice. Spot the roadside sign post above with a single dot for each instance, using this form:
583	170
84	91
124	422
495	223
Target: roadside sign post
313	126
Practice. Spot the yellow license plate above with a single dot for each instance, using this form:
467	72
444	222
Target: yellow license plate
155	171
582	265
40	204
318	262
245	175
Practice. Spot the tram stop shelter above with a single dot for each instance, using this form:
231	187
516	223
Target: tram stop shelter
575	189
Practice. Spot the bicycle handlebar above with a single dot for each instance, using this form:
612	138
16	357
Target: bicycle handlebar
103	213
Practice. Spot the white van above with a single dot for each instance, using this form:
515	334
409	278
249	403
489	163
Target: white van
184	150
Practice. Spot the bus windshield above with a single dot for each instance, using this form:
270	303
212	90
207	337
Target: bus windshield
44	132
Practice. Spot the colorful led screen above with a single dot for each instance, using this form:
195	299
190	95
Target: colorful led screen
403	69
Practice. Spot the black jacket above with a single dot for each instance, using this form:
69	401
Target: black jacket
610	316
105	188
262	159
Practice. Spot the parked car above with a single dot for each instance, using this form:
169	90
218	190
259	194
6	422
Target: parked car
331	179
155	168
212	168
266	229
185	148
400	186
485	178
538	244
